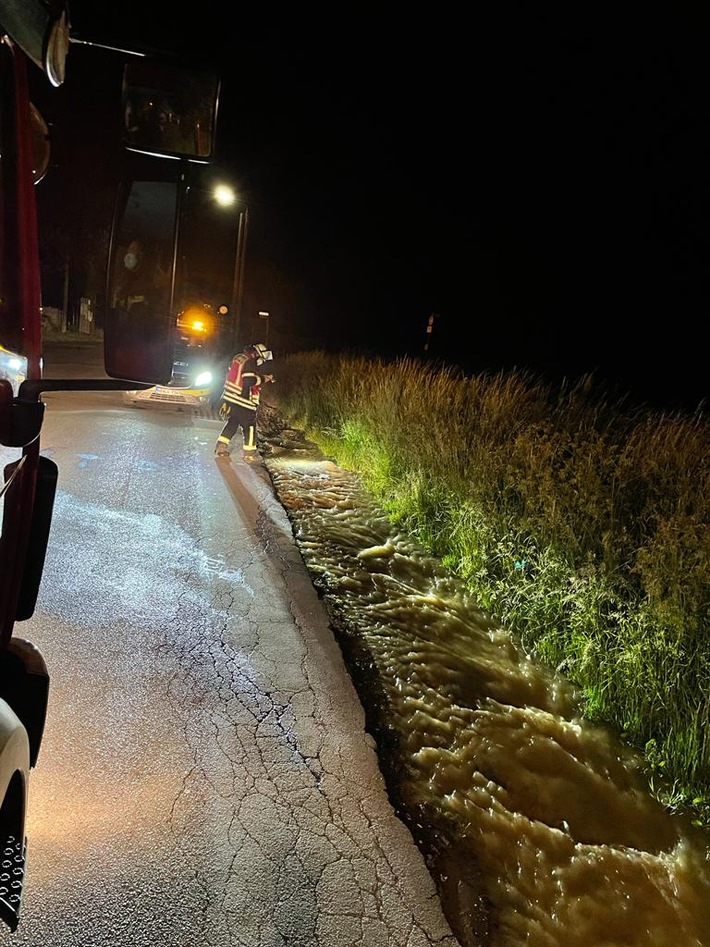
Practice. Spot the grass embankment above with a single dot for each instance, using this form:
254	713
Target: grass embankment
581	524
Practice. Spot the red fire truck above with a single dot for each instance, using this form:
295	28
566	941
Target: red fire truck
138	338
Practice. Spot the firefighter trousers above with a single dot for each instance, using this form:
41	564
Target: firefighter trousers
244	418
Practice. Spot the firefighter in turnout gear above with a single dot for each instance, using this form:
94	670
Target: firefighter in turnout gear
240	398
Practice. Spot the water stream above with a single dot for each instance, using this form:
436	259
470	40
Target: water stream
537	827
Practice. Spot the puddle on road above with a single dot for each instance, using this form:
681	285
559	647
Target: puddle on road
536	826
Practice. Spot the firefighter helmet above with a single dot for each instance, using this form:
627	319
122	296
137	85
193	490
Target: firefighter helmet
262	353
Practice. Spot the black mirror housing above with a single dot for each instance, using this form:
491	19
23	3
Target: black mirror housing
169	112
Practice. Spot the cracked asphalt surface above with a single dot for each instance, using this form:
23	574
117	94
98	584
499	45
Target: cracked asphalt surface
205	778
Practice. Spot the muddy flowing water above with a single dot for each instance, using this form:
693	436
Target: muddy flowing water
537	827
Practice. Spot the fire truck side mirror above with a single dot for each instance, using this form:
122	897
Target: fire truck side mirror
139	325
169	111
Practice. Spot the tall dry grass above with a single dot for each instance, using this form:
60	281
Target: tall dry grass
579	522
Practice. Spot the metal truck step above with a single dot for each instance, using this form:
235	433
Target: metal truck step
13	855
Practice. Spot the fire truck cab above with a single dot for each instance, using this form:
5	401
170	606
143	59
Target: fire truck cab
36	35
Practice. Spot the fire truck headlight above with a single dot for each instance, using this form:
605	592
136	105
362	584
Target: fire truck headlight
203	379
13	367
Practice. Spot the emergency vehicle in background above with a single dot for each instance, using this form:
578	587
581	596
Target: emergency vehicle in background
202	352
138	337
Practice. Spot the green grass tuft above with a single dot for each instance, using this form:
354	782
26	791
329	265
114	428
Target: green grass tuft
581	523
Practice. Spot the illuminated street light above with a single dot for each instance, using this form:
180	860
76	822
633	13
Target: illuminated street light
225	196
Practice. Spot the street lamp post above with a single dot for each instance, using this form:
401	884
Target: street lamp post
238	277
225	197
429	329
265	316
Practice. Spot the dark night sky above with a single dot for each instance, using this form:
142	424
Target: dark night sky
536	177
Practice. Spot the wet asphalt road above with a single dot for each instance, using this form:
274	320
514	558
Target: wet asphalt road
205	778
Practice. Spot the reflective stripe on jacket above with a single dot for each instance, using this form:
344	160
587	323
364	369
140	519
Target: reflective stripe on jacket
243	383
